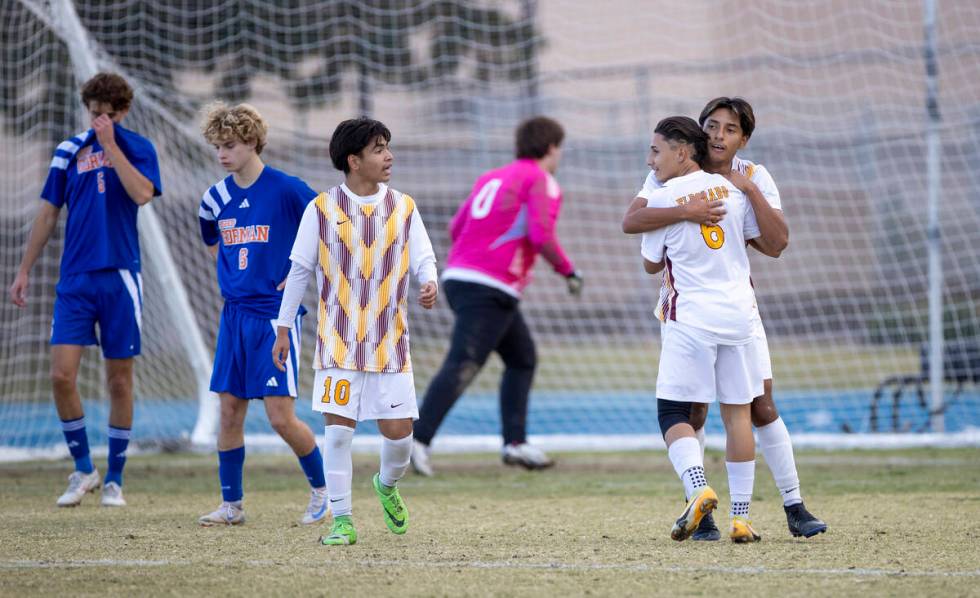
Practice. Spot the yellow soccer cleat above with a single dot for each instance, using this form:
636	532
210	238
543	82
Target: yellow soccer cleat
700	505
741	531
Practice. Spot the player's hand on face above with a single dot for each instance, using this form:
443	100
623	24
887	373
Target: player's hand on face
104	130
18	290
428	294
280	350
705	212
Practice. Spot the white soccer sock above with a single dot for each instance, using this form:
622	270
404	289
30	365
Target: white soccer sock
699	434
778	451
741	478
395	455
338	466
685	456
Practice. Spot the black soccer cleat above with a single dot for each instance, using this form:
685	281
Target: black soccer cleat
707	530
802	523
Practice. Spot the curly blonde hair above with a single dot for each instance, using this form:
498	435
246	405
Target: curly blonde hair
242	122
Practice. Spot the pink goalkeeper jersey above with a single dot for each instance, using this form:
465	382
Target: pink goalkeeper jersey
508	219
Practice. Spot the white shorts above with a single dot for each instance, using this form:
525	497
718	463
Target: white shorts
363	396
692	369
762	350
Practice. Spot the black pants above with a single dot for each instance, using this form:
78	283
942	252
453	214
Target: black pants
486	320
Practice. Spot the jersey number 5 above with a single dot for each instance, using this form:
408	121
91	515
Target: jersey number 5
714	236
484	199
341	391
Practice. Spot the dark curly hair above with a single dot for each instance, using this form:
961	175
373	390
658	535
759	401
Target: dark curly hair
109	88
352	136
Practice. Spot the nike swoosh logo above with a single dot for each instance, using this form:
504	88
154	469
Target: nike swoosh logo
343	222
397	405
336	499
396	521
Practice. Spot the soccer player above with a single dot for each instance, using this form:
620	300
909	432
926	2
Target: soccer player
363	239
707	350
103	175
498	232
248	221
729	123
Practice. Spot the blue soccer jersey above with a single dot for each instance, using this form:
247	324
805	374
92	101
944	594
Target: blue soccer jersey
255	228
101	230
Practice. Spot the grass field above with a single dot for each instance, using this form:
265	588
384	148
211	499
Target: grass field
902	523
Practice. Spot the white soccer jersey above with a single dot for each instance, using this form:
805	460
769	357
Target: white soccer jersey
707	269
756	173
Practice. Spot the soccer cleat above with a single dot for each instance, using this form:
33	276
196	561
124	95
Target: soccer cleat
741	531
342	532
112	495
707	530
79	484
396	514
226	514
802	523
421	462
316	511
525	455
701	504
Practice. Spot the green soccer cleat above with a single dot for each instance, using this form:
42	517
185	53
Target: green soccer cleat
396	514
342	532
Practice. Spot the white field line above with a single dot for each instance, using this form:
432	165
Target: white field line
504	565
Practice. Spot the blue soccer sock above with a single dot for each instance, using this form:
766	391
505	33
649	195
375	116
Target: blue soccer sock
118	443
312	465
77	441
231	463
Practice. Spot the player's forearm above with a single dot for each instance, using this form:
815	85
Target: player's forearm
44	224
138	187
772	226
644	220
555	255
292	295
652	267
421	257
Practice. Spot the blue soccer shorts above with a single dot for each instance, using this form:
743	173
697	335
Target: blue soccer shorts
243	364
111	299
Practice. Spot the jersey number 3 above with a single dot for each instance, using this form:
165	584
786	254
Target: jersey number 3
714	236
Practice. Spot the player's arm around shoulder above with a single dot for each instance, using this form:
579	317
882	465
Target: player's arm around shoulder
773	232
645	215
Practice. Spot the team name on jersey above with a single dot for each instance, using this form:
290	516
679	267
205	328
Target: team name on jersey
89	160
712	194
239	235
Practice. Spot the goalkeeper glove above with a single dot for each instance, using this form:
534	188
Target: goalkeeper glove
574	282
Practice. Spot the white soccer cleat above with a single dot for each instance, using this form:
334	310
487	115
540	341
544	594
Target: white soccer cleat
79	484
112	495
226	514
420	459
317	510
526	456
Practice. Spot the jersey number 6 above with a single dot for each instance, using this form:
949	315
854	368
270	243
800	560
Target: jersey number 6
714	236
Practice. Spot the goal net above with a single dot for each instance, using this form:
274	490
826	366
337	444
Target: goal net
839	91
